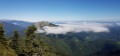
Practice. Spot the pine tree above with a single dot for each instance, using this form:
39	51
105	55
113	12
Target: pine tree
34	47
2	39
15	42
30	37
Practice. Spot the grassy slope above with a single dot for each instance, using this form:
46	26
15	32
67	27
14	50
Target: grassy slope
6	51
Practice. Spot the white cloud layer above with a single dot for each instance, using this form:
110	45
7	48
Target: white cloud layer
75	27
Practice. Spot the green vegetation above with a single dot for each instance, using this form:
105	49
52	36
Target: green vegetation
28	46
71	45
5	50
2	39
15	42
35	44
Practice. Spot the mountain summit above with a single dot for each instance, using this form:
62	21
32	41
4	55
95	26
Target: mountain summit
42	24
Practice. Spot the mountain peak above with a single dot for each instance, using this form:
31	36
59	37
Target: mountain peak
41	24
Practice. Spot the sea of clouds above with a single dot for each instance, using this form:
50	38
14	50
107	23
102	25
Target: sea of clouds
75	27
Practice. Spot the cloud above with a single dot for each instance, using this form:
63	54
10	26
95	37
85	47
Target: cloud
75	27
15	23
118	24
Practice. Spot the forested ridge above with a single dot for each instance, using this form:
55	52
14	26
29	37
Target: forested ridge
24	46
70	44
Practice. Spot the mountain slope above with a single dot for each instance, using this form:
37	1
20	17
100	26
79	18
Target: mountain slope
11	25
6	51
85	43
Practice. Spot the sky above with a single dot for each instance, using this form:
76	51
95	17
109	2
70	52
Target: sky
60	10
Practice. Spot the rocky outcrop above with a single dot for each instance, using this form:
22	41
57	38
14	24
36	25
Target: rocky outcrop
41	24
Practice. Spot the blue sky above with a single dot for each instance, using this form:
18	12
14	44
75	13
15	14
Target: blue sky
60	10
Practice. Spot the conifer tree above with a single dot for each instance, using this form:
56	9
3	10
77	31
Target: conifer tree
2	39
15	42
30	37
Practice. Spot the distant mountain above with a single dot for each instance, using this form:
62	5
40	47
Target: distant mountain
20	23
11	25
44	23
86	43
73	43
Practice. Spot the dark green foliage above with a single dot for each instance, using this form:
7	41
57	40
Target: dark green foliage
29	42
15	42
5	50
82	45
2	39
1	31
33	46
31	31
29	46
58	45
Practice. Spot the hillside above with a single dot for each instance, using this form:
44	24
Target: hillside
6	51
50	40
11	25
85	43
